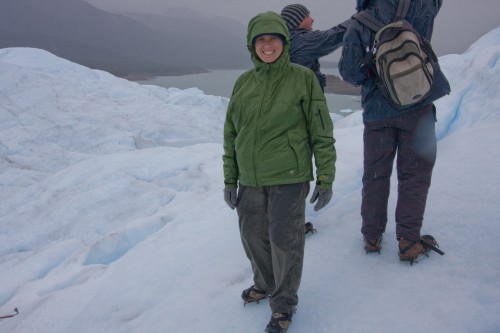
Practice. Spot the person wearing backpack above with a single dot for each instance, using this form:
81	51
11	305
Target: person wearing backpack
391	128
308	45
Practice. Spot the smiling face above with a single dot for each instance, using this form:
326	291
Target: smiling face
268	48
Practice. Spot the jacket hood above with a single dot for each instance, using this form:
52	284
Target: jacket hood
267	23
364	4
361	4
383	10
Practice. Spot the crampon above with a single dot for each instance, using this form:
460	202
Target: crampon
253	294
416	251
309	228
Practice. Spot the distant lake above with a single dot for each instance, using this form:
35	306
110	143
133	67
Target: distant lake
221	82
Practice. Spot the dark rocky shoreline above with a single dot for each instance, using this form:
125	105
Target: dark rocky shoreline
335	85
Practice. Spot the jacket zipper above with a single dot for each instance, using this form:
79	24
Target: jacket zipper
321	118
257	133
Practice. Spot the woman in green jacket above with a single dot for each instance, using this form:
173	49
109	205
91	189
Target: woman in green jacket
277	117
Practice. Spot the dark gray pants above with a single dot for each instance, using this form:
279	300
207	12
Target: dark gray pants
271	221
412	137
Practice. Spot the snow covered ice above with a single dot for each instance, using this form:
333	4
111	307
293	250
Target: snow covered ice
112	217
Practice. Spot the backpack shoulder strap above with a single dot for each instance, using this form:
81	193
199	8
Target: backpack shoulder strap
369	21
375	25
402	11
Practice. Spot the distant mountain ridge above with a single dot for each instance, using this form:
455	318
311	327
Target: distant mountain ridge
121	45
215	43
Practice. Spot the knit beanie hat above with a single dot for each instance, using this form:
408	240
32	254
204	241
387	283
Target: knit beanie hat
294	15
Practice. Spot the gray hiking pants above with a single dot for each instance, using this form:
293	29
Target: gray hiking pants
271	220
412	136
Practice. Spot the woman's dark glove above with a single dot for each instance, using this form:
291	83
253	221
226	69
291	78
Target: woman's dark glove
322	195
231	197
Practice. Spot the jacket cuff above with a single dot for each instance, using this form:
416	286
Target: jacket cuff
324	182
230	185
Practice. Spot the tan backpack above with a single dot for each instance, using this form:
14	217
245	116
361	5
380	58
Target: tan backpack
400	58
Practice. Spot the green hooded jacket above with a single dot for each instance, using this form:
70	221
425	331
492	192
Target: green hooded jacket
277	116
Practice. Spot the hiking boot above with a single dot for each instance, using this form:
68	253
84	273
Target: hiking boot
253	294
309	228
410	250
373	245
279	322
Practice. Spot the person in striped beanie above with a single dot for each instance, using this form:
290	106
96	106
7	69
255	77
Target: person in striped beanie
308	45
294	15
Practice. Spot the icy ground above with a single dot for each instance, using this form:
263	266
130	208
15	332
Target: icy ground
112	218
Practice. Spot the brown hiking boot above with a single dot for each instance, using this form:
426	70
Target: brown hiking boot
373	245
410	250
253	294
279	322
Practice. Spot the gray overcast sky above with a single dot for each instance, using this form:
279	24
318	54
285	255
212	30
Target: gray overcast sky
459	23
